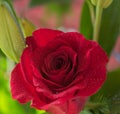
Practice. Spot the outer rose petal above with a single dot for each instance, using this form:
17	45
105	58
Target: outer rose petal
43	36
73	106
55	110
26	65
92	82
20	90
76	105
96	72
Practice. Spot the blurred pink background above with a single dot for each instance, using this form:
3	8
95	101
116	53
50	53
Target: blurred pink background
39	16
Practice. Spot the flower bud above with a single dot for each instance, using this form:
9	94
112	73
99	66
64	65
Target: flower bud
94	2
104	3
11	37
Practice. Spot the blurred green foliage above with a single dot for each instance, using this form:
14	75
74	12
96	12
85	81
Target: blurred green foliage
110	25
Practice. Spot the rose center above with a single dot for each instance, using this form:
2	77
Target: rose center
58	63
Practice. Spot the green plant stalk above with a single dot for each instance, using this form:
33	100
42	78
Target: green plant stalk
99	10
91	8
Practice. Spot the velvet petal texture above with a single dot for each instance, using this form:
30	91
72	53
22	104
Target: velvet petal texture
43	36
18	86
73	106
22	90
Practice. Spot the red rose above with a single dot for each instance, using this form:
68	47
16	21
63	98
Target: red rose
57	67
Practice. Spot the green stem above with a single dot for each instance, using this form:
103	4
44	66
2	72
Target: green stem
91	8
99	11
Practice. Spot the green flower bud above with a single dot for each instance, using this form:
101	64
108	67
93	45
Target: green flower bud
104	3
11	37
94	2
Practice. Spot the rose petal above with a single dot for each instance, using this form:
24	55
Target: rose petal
26	65
20	90
96	72
63	74
58	98
43	36
41	53
73	106
97	56
55	110
92	60
94	79
74	39
79	44
31	43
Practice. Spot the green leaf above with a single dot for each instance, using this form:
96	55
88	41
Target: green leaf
11	37
86	27
110	26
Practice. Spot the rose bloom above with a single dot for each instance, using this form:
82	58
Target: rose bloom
58	68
